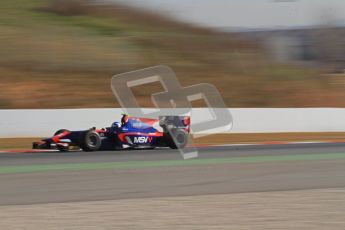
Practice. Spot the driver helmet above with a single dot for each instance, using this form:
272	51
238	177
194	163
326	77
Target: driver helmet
115	125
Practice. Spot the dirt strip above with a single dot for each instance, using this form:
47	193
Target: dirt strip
306	209
268	137
25	143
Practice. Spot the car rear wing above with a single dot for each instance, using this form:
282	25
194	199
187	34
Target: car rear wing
175	122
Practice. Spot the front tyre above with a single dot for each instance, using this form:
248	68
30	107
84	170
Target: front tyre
90	141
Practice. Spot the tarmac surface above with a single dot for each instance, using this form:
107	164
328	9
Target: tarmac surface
54	177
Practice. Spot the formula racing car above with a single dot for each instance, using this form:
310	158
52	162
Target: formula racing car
131	132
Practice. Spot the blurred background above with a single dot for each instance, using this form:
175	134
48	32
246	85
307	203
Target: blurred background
262	53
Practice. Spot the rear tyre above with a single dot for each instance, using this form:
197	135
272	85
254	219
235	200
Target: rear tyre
62	148
178	139
90	141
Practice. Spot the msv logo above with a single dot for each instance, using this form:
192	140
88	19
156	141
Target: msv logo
142	140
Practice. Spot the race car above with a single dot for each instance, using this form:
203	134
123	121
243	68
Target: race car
131	132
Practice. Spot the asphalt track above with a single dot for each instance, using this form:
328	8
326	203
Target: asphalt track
31	178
